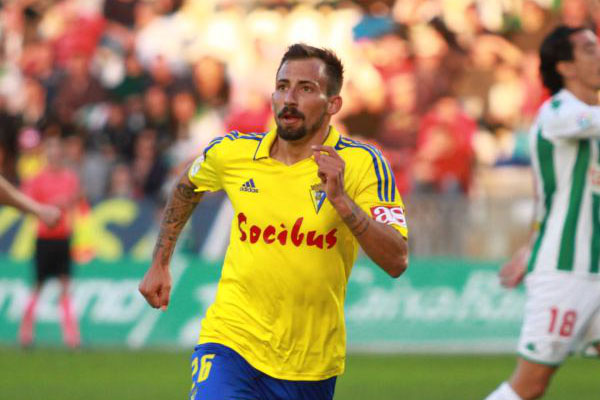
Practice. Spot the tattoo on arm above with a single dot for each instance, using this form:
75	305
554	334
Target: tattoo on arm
357	221
179	208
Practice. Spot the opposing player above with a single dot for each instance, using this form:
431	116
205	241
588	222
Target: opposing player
58	186
304	199
11	196
562	311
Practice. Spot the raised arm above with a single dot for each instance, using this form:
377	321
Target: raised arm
382	243
156	285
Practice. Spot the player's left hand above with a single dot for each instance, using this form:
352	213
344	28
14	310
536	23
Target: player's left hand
513	272
156	286
331	171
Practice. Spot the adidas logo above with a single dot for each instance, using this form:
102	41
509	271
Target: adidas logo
249	187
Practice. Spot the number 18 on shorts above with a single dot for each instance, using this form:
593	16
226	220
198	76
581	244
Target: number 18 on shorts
562	315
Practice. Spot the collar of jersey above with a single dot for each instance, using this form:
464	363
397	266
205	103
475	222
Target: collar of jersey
264	146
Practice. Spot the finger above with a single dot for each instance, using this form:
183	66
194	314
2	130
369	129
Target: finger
153	299
323	177
317	156
164	297
330	151
150	296
325	161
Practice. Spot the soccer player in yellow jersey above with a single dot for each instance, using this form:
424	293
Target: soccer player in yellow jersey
304	199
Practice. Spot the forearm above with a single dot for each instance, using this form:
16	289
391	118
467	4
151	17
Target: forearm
11	196
382	243
179	208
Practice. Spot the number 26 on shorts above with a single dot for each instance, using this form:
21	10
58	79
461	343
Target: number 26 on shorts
205	365
563	323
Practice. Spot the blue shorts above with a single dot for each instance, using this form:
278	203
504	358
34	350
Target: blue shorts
219	373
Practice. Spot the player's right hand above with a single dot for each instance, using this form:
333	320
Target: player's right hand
513	272
156	286
49	215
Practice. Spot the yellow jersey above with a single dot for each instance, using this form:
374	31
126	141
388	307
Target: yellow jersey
280	299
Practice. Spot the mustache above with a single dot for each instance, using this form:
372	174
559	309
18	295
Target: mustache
292	112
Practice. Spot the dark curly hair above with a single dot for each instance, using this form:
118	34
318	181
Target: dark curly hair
556	47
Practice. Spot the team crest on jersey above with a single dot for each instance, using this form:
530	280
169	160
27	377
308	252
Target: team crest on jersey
584	120
317	195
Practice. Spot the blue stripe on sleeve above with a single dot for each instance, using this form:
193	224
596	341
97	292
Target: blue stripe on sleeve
393	196
211	144
350	143
386	173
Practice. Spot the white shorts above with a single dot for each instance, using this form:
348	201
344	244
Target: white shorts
562	315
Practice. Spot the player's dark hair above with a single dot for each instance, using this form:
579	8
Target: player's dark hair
556	47
333	65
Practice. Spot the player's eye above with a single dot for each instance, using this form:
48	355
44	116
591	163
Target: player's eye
307	89
281	87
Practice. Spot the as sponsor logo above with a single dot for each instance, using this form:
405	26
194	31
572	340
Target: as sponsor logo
389	215
283	235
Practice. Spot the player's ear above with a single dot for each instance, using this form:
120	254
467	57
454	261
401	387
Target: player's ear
334	104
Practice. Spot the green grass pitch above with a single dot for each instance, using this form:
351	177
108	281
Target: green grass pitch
55	374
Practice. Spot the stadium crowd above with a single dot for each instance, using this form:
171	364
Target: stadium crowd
137	88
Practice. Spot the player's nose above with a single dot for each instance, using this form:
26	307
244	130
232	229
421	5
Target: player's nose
290	98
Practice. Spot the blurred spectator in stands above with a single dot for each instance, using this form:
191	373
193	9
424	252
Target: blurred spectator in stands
120	19
212	90
188	138
400	125
135	81
535	93
91	167
134	114
435	65
506	97
34	111
121	182
148	167
157	114
364	103
443	162
473	83
211	82
391	52
250	112
37	62
9	128
534	22
161	75
121	12
116	133
160	43
13	26
77	89
31	159
574	12
74	28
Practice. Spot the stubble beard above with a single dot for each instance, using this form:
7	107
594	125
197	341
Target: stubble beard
293	135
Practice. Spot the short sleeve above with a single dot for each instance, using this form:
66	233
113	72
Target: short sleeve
570	120
205	172
378	196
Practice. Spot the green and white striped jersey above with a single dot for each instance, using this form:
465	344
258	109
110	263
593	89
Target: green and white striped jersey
564	144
